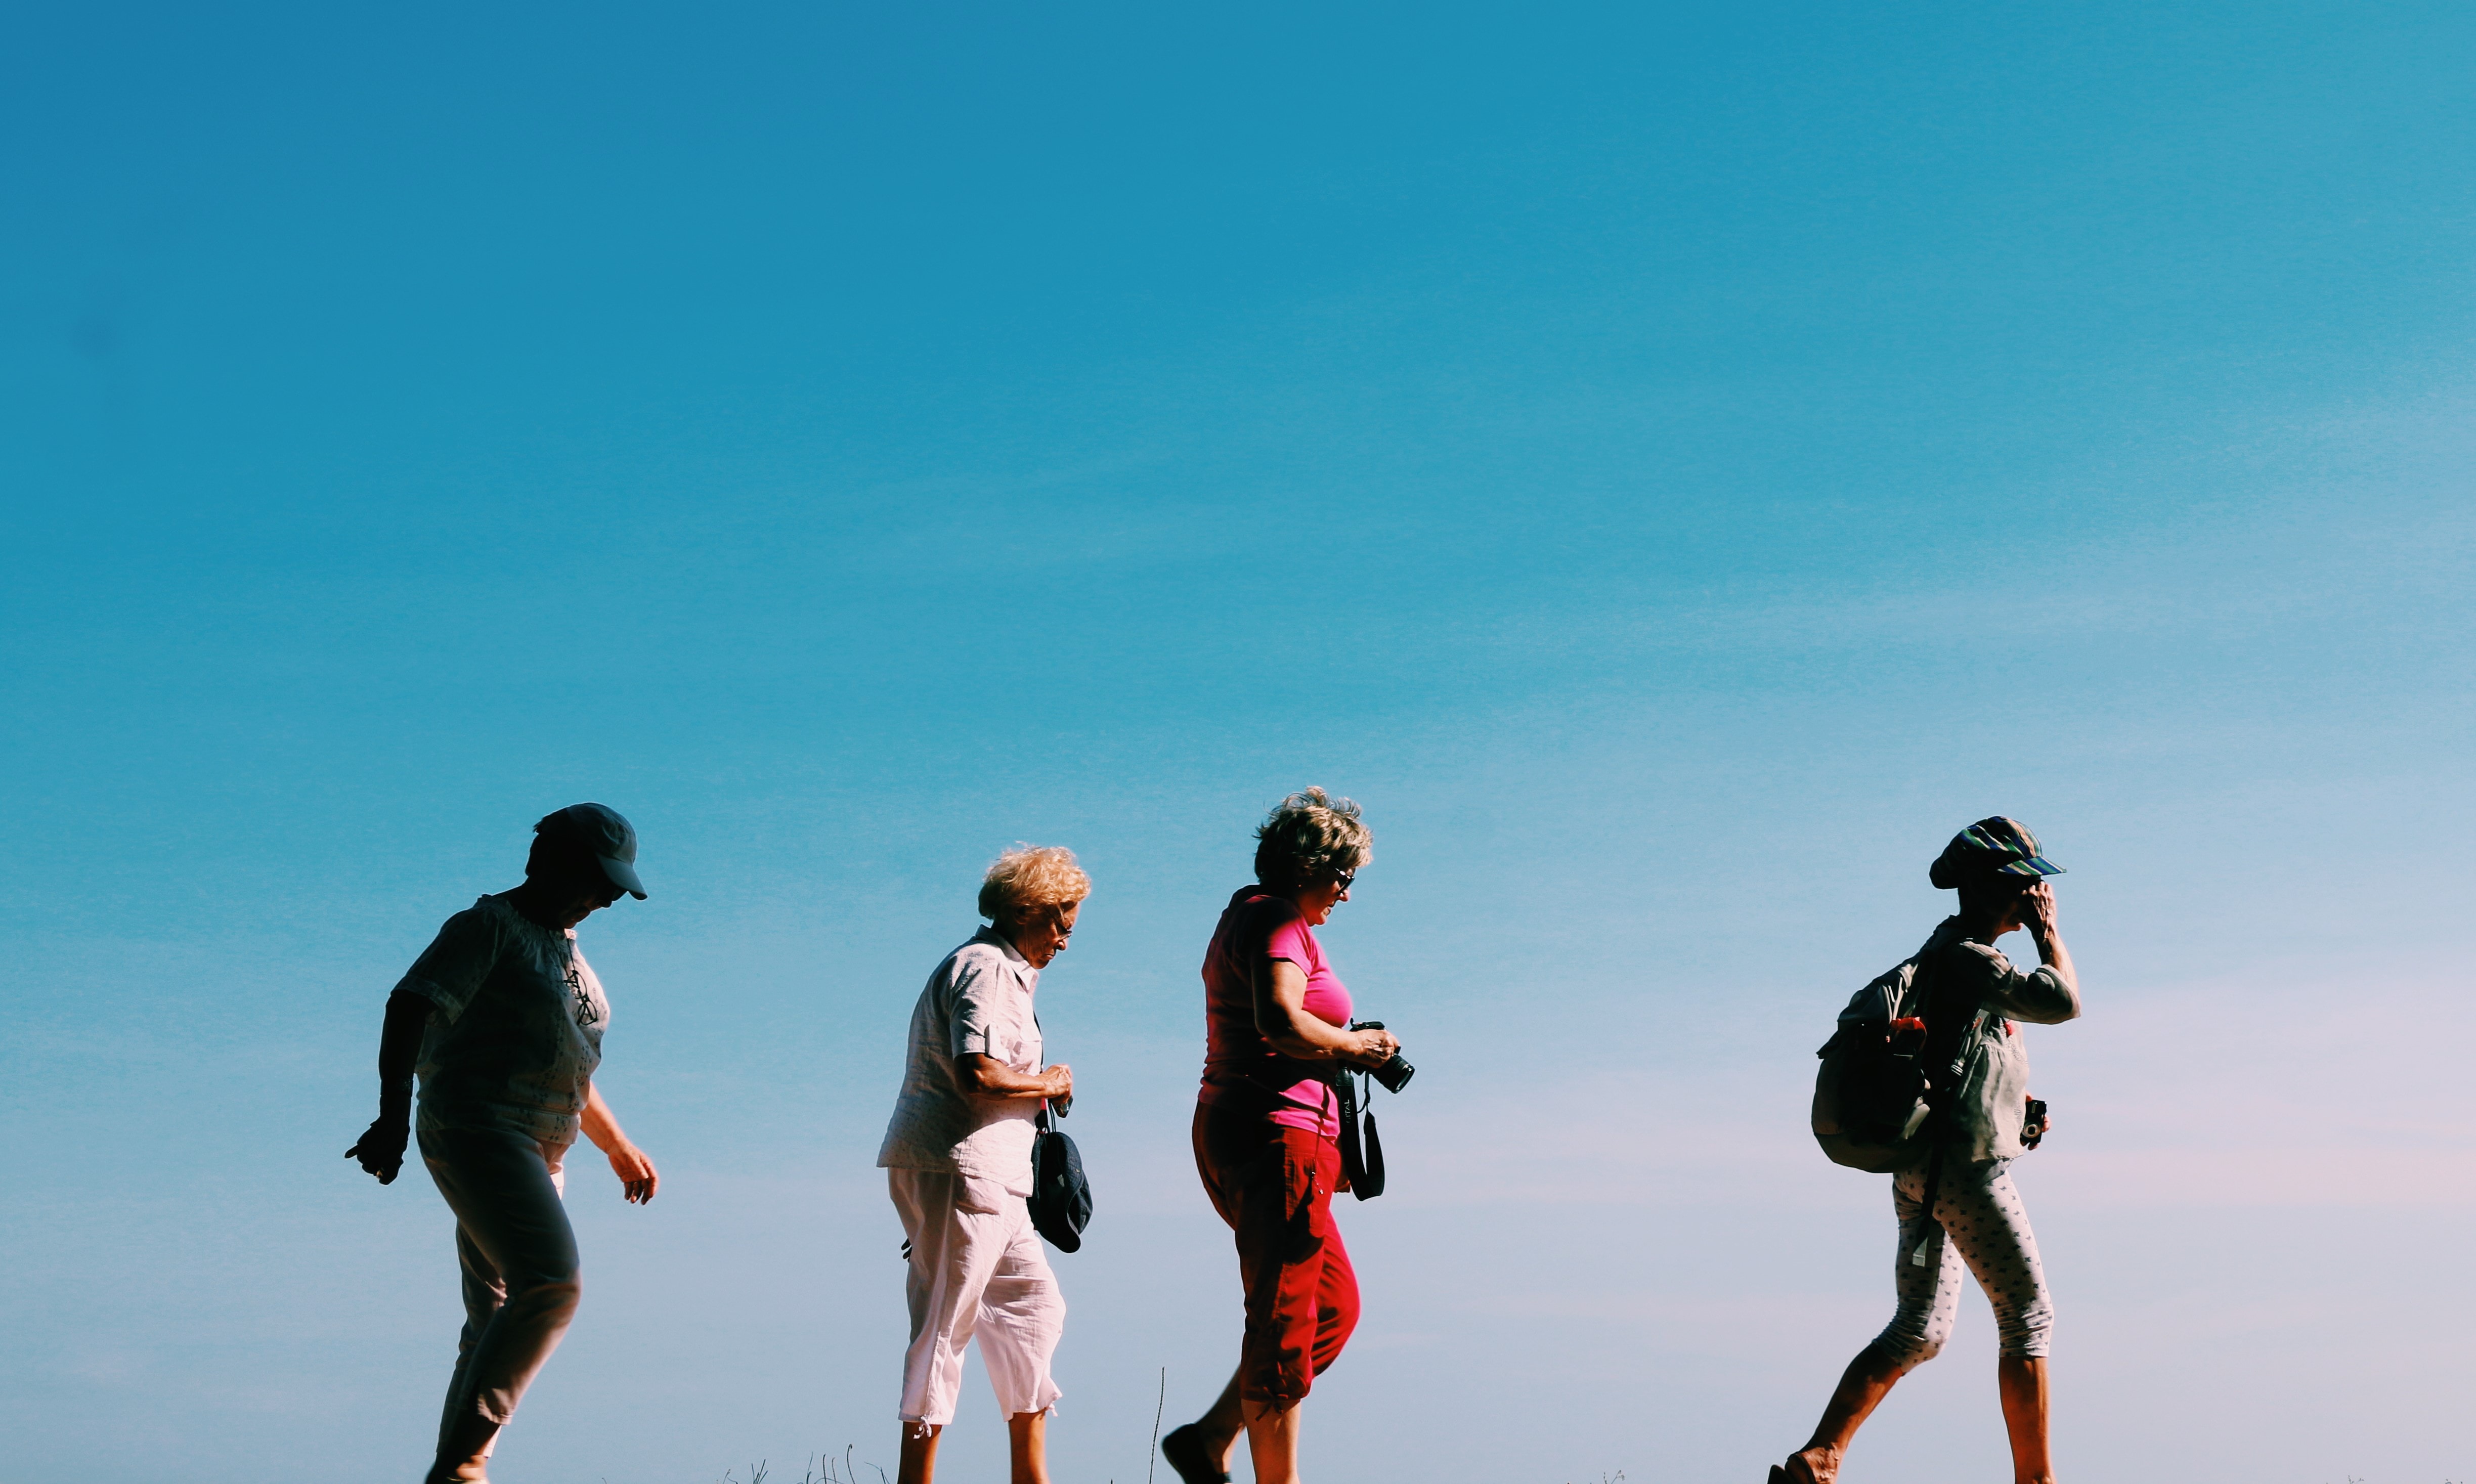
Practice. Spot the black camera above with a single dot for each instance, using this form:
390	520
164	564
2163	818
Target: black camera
2033	1123
1395	1073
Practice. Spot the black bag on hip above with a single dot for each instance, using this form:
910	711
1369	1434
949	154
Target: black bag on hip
1061	1198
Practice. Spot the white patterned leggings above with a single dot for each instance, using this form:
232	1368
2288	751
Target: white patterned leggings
1977	1221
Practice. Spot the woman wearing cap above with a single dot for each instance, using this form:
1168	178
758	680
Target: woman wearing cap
1977	1219
958	1158
503	1019
1266	1125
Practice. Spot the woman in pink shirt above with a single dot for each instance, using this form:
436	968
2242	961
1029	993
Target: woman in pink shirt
1266	1126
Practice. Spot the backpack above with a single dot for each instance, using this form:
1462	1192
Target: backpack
1876	1096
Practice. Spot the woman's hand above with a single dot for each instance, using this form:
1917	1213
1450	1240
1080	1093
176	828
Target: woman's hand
380	1150
637	1180
1371	1049
637	1177
2037	910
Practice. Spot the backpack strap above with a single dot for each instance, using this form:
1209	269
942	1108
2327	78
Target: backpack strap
1940	1093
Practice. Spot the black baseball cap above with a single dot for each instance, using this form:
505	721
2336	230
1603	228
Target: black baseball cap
602	832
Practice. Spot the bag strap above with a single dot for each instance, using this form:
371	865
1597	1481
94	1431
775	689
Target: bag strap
1940	1094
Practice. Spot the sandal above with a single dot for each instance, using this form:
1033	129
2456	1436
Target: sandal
1182	1451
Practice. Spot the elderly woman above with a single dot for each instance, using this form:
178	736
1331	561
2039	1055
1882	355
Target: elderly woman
1970	997
1266	1126
957	1157
501	1018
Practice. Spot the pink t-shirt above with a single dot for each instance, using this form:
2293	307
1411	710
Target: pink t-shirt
1240	1067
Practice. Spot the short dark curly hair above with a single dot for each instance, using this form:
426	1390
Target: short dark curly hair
1311	837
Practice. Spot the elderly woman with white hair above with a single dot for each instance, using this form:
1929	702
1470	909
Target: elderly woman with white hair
957	1157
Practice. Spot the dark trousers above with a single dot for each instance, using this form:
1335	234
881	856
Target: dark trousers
521	1275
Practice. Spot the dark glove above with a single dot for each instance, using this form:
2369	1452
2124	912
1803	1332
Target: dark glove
380	1150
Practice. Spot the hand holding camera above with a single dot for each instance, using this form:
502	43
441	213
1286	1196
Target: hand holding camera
1379	1054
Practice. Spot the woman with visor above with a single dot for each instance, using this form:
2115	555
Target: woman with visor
1977	1223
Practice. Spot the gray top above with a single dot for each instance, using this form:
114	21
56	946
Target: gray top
977	1001
515	1026
1966	974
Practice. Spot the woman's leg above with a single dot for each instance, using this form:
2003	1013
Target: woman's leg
1205	1444
917	1463
520	1278
1023	1316
1921	1320
1027	1447
1274	1186
1225	1148
522	1283
2023	1382
1273	1439
1989	1226
959	1228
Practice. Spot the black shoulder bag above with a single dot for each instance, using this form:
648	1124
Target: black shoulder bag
1061	1198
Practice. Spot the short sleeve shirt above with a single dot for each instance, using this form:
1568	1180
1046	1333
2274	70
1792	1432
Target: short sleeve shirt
1241	1069
516	1017
977	1003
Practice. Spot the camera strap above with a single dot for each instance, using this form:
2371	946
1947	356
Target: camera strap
1362	1156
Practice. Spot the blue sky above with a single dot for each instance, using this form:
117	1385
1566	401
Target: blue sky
1674	466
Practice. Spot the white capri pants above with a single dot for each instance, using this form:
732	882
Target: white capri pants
977	1268
1979	1226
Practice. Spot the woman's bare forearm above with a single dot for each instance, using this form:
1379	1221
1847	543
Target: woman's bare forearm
601	1124
989	1078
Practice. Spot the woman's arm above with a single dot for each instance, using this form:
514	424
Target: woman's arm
1281	1017
2040	923
380	1150
637	1179
986	1077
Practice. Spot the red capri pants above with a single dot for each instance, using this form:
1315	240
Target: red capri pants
1274	1185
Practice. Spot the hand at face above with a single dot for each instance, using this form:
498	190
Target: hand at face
637	1179
2038	909
380	1150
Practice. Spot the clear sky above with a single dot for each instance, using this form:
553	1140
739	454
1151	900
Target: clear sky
1674	465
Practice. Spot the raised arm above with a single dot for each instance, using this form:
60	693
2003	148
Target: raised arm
2039	919
1281	1017
380	1150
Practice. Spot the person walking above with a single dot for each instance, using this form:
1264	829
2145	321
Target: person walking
958	1158
502	1019
1976	1218
1267	1120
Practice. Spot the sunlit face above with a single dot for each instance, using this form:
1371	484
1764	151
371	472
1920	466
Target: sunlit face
1042	936
1317	902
